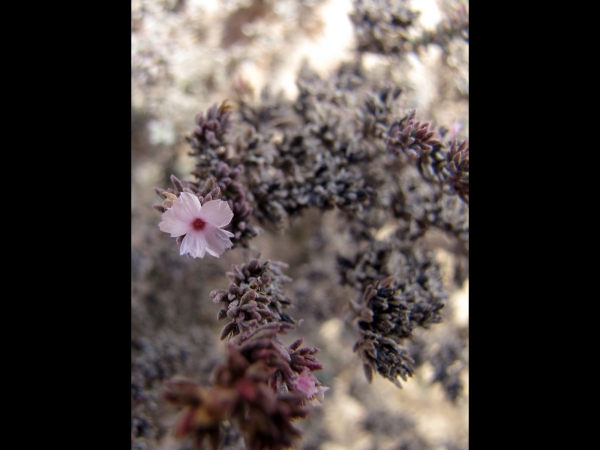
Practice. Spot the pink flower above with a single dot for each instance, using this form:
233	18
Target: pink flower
201	225
306	383
454	129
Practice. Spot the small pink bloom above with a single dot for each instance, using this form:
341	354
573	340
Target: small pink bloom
201	225
305	383
454	129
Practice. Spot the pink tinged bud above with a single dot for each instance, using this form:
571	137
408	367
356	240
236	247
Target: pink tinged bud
455	129
199	226
305	383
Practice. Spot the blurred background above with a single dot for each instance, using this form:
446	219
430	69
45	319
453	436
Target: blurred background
187	55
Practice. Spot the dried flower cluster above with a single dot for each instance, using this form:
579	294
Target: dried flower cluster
254	297
390	309
301	155
321	162
381	26
459	169
380	315
344	144
448	364
240	392
455	25
263	386
413	138
435	163
208	138
209	147
388	27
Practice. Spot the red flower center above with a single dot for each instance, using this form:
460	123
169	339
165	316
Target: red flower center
198	224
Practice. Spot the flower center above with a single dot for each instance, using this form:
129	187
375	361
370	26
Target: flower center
198	224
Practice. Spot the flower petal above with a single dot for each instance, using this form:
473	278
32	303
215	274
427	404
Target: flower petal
193	244
217	213
306	383
187	207
171	224
217	240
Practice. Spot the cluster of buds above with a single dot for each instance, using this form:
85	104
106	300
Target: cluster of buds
233	192
290	367
239	393
254	297
378	110
208	138
459	169
448	363
210	149
391	308
380	313
381	26
455	25
308	154
263	385
261	388
412	137
435	162
206	193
